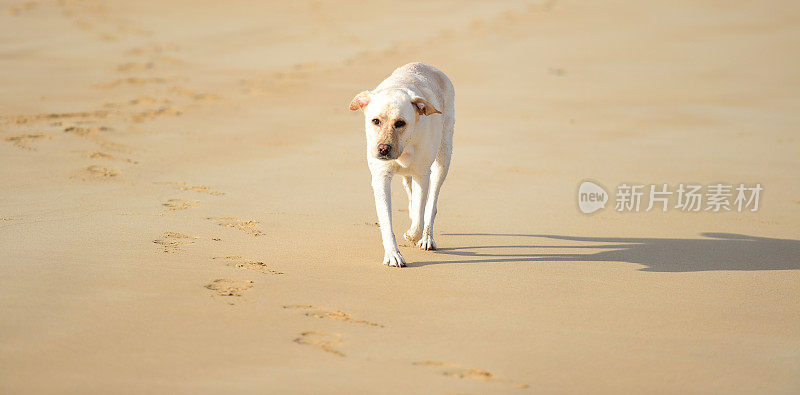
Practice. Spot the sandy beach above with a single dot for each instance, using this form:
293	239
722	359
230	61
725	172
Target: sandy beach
186	206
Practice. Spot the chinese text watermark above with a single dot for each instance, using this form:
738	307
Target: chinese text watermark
717	197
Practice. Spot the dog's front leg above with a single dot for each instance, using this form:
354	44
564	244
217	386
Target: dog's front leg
381	187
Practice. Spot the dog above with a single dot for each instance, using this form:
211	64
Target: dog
409	120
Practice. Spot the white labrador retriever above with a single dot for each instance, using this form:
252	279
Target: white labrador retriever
409	121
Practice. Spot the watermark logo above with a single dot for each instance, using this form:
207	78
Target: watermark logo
684	197
591	197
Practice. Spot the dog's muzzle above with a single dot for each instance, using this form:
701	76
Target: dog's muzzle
384	150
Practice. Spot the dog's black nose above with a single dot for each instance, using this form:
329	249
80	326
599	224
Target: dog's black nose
384	149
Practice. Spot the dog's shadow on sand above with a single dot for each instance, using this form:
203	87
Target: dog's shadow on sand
716	251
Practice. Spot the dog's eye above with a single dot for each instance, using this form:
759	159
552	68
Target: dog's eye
399	124
376	121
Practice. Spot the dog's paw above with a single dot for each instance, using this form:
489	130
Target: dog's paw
426	242
393	259
412	235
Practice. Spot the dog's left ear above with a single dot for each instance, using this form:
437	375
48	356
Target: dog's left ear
423	107
360	101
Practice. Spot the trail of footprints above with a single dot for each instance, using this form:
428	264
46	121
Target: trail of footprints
331	342
175	242
141	70
27	131
326	341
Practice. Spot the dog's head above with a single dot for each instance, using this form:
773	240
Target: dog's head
390	119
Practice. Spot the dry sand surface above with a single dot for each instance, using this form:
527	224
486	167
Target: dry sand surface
186	205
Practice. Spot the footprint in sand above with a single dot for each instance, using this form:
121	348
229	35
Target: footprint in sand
325	341
138	102
24	141
180	204
153	49
35	118
248	227
194	188
136	66
319	312
229	287
97	172
155	57
103	155
133	81
194	95
173	242
449	369
241	262
453	370
147	115
85	131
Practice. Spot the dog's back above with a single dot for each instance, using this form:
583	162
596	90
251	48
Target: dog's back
428	82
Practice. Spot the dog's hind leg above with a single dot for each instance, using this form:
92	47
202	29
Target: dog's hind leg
419	193
407	187
439	171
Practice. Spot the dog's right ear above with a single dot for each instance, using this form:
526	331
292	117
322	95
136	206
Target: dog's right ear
360	101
